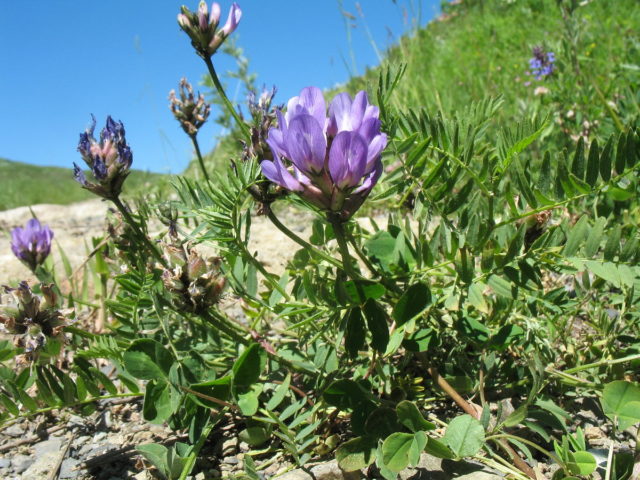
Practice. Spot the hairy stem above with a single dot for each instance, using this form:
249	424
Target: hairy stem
225	99
133	224
196	146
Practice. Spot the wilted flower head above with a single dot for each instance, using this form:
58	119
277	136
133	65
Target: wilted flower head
32	319
542	63
109	159
196	283
333	162
190	111
32	243
202	26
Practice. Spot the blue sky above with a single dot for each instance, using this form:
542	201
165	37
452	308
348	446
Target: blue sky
65	59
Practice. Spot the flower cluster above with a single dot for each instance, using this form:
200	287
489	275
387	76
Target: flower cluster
196	283
542	63
263	117
32	243
190	111
33	320
109	159
331	161
202	27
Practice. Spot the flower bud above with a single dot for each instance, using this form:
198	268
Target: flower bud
31	244
202	26
109	159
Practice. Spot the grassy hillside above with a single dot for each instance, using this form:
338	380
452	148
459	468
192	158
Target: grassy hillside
481	48
24	184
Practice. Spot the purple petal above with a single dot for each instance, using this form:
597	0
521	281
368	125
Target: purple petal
358	109
375	148
312	99
339	114
278	174
347	159
235	14
371	179
369	129
305	144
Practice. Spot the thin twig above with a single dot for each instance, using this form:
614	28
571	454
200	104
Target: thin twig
53	475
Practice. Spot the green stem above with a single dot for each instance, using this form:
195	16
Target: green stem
77	404
300	241
133	224
601	363
225	99
526	442
347	259
196	146
195	450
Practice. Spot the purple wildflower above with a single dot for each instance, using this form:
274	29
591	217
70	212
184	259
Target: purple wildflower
333	162
32	243
108	159
542	63
202	26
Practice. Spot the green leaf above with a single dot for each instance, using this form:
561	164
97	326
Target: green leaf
248	399
506	337
582	463
516	417
355	333
377	323
361	291
613	243
249	366
401	449
577	234
474	330
147	359
219	389
577	166
356	454
502	287
410	417
421	340
605	160
464	436
413	302
621	400
438	449
157	402
593	164
279	394
157	455
382	422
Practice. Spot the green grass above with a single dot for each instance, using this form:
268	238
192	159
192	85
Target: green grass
23	184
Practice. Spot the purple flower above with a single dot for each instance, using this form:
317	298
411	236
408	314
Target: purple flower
32	243
202	26
333	162
542	63
109	159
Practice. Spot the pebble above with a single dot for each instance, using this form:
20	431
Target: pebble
5	463
68	468
20	463
99	436
53	445
14	431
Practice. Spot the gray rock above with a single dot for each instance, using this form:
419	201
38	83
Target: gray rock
68	468
42	466
53	445
5	463
324	471
99	436
19	463
14	431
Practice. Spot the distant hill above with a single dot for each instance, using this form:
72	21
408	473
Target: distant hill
24	184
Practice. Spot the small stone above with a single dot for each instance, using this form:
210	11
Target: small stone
231	460
68	469
20	463
99	436
53	445
14	431
5	462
